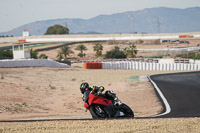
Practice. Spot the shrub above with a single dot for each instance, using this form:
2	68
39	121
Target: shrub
115	53
6	54
43	56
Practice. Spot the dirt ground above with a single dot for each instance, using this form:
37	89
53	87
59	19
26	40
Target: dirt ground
54	93
107	46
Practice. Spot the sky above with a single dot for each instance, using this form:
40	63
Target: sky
15	13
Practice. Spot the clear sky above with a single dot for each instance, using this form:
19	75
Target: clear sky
14	13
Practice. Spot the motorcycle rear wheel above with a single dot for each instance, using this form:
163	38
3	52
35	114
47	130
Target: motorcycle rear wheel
98	111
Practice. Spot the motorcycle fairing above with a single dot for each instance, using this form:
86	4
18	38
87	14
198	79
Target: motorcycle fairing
93	99
99	100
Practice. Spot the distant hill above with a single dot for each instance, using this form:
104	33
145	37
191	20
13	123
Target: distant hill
151	20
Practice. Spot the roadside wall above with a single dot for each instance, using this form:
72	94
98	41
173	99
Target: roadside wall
31	63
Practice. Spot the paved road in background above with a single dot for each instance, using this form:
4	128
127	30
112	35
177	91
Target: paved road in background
182	92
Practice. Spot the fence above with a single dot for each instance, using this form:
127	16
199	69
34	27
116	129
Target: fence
150	66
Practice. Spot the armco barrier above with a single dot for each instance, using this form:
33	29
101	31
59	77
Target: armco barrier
92	65
150	66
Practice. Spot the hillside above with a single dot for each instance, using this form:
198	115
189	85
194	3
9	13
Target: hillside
151	20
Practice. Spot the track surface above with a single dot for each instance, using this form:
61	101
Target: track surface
182	92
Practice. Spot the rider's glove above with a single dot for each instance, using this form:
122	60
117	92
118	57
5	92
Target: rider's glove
83	98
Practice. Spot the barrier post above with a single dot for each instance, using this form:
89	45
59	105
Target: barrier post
171	67
185	67
136	65
154	66
130	65
143	66
160	67
140	66
191	66
157	66
150	66
195	66
118	65
178	66
147	66
168	65
104	65
198	66
181	66
164	66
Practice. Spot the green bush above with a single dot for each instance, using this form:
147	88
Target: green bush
43	56
6	54
115	53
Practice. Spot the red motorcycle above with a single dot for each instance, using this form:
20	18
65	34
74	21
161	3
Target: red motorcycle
106	107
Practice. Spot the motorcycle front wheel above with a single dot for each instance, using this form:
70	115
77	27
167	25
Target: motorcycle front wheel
98	111
126	110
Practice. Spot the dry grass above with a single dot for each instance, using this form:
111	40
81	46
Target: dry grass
175	125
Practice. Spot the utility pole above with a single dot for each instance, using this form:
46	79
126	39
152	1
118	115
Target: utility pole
131	23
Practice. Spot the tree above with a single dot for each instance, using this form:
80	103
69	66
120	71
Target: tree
98	48
131	51
59	56
64	51
115	53
57	29
34	54
81	48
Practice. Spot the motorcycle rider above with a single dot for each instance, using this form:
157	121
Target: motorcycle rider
98	91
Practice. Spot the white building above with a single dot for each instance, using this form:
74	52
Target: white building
21	53
25	33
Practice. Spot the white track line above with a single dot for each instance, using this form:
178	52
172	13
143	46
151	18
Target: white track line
167	106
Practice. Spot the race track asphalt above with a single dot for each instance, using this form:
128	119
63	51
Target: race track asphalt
182	92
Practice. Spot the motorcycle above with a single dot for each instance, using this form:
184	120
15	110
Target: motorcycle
101	106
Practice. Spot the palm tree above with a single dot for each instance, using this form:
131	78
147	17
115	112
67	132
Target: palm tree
98	48
131	51
81	48
59	56
34	54
66	51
